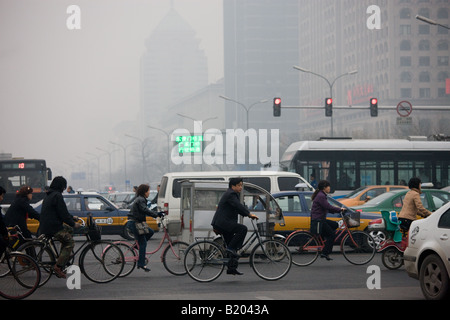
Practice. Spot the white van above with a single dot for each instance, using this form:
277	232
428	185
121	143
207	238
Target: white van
272	181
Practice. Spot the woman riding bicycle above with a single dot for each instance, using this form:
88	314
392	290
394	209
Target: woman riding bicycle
319	223
412	205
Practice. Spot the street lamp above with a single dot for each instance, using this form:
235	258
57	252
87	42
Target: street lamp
330	84
168	145
247	110
429	21
142	152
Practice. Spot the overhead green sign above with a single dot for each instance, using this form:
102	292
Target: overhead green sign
189	144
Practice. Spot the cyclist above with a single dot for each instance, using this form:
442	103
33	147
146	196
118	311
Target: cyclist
319	223
138	213
56	221
225	221
412	205
20	210
3	230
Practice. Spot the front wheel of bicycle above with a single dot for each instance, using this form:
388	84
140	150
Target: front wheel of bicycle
20	276
204	261
44	257
303	247
173	257
271	259
358	247
101	261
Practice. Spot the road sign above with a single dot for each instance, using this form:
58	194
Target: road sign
404	108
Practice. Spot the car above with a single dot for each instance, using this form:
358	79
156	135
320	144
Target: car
427	257
111	219
296	208
121	199
364	194
432	199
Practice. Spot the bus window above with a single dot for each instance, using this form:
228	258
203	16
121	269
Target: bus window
387	172
345	174
368	173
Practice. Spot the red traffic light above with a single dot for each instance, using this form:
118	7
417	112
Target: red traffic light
374	100
329	101
277	101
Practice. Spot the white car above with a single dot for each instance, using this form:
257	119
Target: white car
427	257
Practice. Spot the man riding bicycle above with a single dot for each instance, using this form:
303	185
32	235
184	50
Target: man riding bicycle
225	221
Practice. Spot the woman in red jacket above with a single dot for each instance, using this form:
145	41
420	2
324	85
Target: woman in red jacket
319	223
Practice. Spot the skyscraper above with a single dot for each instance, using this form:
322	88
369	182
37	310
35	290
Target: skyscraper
261	45
173	66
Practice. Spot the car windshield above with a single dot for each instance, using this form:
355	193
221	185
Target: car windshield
377	200
356	192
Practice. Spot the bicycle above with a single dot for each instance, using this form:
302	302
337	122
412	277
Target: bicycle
172	255
357	247
270	259
99	260
20	275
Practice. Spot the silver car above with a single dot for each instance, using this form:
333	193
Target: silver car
427	257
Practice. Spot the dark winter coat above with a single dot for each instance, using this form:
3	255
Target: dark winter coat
320	207
18	213
54	213
226	216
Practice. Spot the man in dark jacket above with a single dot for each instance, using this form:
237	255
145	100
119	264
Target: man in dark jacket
56	221
225	221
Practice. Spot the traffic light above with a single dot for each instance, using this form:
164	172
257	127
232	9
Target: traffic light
328	107
373	107
276	107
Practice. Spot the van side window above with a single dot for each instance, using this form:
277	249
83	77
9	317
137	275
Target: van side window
288	183
176	185
263	182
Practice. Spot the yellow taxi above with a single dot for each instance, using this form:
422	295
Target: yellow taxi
362	195
111	219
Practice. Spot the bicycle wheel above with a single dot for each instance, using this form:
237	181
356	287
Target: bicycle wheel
130	255
204	261
271	259
173	257
101	261
44	257
358	247
20	276
392	258
303	247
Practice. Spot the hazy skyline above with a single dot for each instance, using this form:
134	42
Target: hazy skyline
63	91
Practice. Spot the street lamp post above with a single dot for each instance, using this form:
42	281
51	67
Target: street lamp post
168	145
429	21
142	152
330	84
247	111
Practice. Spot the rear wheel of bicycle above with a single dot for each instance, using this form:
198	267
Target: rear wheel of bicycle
173	257
358	247
130	255
20	276
271	259
101	261
43	256
303	247
392	258
204	261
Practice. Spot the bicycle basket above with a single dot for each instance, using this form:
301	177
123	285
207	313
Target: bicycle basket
353	219
174	228
265	229
93	230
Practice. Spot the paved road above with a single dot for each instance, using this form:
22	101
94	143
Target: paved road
335	279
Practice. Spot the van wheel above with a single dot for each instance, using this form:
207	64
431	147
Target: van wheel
433	277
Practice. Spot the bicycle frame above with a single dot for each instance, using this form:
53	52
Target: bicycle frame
135	246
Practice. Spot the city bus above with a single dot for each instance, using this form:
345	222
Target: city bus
15	173
351	163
